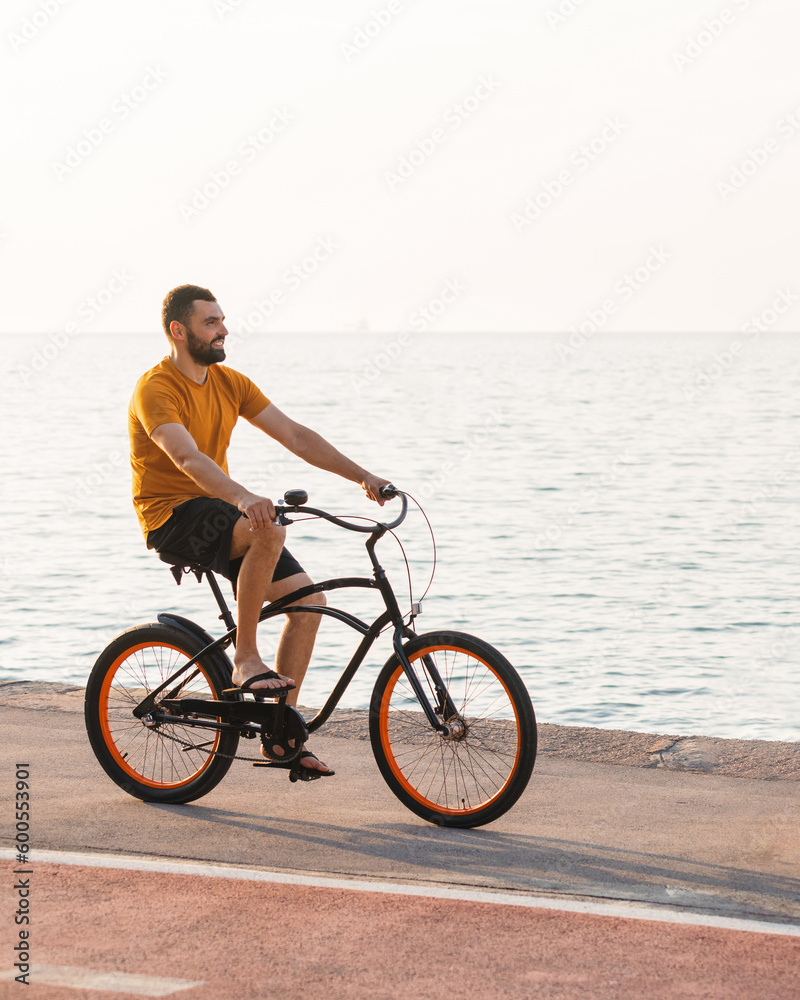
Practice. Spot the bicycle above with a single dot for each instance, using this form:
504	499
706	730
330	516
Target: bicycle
451	723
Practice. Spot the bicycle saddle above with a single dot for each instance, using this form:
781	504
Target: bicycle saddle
176	560
180	563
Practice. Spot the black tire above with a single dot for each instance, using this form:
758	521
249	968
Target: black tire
144	761
478	772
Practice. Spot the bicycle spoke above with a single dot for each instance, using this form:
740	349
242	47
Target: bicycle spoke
471	763
160	755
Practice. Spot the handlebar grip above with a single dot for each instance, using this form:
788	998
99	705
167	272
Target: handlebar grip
389	491
378	526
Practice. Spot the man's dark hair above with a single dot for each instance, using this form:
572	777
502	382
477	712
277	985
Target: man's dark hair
178	304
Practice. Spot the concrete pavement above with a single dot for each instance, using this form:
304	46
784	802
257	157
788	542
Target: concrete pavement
705	842
677	829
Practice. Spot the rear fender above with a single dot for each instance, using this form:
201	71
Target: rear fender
199	633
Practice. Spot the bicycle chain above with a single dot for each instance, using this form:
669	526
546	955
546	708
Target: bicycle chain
214	753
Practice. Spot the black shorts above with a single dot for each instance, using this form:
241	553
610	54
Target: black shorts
201	530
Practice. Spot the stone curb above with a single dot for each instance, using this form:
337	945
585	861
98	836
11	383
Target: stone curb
759	759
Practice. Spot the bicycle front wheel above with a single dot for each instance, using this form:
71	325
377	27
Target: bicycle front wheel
161	762
479	769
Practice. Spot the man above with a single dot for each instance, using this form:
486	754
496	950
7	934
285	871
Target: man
180	421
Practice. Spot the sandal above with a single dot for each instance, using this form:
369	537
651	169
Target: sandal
267	675
310	773
296	771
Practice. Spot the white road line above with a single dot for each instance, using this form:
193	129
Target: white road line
630	911
112	982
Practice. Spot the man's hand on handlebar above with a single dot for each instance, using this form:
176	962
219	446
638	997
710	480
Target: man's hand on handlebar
372	486
260	511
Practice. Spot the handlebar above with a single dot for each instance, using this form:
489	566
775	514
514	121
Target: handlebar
294	502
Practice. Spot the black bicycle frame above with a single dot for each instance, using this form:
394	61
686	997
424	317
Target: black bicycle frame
370	633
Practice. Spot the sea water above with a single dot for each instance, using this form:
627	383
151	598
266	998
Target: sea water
619	517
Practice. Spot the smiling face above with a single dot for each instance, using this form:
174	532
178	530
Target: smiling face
206	333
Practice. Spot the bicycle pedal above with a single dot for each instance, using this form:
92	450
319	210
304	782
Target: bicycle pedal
295	773
236	694
302	774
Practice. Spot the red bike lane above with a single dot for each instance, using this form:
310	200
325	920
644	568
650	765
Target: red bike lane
201	938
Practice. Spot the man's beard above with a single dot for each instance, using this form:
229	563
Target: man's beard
203	354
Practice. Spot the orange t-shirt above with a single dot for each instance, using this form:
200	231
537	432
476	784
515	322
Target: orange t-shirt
209	412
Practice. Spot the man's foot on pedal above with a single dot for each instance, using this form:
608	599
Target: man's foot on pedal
305	767
310	762
253	686
253	675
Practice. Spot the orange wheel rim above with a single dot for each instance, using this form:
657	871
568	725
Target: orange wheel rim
109	738
386	742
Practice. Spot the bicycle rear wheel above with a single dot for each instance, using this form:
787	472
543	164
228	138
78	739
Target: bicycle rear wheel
165	762
479	770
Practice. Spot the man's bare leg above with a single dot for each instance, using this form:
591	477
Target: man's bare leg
259	551
296	643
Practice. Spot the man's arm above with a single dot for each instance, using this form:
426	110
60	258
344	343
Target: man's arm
314	449
181	447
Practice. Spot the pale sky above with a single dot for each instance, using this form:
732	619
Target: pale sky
452	165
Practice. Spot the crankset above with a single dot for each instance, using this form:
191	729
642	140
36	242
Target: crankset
285	747
281	727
